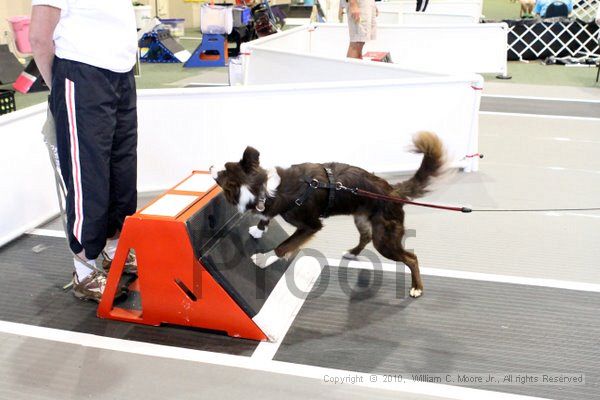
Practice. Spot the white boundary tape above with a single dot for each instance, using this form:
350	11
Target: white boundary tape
281	307
476	276
277	367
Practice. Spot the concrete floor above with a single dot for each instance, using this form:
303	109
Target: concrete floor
530	162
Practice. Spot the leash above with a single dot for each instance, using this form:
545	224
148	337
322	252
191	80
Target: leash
314	184
536	209
377	196
394	199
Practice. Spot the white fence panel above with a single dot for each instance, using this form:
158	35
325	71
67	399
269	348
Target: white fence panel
28	190
479	48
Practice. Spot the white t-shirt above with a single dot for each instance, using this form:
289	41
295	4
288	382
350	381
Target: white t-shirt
101	33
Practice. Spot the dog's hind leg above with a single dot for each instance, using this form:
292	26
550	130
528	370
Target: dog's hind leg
387	239
364	228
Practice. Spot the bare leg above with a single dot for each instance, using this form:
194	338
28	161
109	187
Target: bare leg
364	228
355	50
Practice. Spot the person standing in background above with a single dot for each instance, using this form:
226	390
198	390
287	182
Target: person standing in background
362	25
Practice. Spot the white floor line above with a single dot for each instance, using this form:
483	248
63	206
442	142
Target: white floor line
281	308
538	115
541	98
47	232
476	276
278	367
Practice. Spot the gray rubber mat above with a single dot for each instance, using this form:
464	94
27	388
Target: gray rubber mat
540	107
33	270
457	326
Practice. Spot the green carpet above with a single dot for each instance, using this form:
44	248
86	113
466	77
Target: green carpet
501	9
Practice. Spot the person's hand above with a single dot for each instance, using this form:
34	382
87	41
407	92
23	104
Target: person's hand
354	12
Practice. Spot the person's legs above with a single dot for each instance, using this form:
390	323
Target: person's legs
123	160
360	31
422	5
123	165
355	50
84	110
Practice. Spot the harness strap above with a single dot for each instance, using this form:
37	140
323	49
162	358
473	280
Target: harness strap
314	184
331	192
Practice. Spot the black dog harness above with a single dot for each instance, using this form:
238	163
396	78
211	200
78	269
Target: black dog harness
333	187
314	184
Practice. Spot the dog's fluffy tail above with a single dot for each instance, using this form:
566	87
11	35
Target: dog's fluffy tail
432	149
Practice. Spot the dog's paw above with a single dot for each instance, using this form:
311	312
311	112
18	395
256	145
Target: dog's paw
255	232
350	256
264	260
414	292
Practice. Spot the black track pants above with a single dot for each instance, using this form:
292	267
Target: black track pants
422	5
96	124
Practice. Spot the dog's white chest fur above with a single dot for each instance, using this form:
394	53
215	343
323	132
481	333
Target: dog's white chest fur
246	197
273	181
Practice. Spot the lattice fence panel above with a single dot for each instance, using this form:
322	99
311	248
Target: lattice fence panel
585	10
560	37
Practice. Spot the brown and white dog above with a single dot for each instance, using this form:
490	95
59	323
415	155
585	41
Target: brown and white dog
274	192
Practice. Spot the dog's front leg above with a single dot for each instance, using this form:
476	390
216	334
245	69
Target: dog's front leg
259	229
286	248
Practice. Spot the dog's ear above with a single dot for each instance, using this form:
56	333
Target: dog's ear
250	160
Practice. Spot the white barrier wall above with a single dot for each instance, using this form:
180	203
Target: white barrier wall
365	123
479	48
369	124
473	8
297	68
28	195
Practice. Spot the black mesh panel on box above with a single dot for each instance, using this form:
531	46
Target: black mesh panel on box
221	241
207	222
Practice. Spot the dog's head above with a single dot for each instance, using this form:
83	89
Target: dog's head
241	180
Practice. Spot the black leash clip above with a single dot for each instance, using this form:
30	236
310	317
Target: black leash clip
340	186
